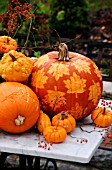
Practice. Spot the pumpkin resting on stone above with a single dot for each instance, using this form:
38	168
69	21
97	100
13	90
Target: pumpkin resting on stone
54	134
102	117
66	81
19	107
7	43
65	120
43	121
15	66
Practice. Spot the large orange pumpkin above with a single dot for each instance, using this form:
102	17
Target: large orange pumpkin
66	81
19	107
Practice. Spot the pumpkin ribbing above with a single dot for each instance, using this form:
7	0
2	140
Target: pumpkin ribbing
73	84
19	107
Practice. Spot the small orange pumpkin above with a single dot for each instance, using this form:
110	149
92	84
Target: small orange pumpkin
65	120
7	43
15	66
102	117
54	134
43	121
19	107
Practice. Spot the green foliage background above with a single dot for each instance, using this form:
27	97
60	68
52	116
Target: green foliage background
67	17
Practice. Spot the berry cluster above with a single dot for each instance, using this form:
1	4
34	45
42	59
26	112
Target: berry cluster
44	144
20	15
79	140
106	103
15	15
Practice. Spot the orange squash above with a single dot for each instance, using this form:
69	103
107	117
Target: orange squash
102	117
66	81
7	43
15	66
54	134
19	107
65	120
43	121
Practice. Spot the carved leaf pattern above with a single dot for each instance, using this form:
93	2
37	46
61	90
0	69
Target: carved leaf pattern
39	79
75	84
95	92
77	111
96	70
58	70
82	65
55	99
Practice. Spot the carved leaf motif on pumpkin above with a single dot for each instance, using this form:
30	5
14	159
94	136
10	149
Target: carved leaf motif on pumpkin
75	84
55	99
25	96
58	70
39	79
96	70
43	59
95	92
76	110
82	65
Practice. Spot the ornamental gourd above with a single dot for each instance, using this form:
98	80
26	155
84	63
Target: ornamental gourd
54	134
7	43
66	81
102	117
43	121
15	66
19	107
65	120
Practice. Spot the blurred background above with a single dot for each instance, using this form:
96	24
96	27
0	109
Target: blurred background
88	19
39	26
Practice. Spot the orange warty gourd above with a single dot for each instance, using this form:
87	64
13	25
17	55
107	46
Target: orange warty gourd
43	121
66	81
65	120
54	134
19	107
7	43
15	66
102	117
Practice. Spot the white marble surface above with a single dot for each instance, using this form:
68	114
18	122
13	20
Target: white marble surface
107	86
69	150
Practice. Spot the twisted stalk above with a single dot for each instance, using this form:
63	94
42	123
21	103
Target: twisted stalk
18	27
25	45
29	30
99	113
86	107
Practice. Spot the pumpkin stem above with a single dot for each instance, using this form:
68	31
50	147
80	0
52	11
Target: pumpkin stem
13	58
104	111
63	52
7	40
63	115
19	120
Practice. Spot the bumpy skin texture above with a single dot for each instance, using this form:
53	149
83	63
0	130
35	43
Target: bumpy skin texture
74	86
54	134
7	43
19	107
43	121
102	117
65	120
15	66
